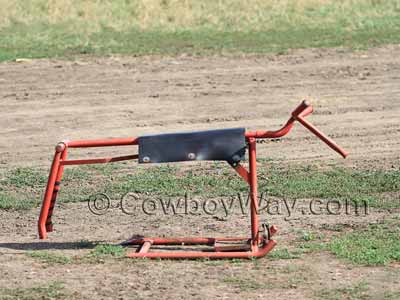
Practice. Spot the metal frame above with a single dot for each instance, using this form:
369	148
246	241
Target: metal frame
258	244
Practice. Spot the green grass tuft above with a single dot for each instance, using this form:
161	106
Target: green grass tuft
106	250
284	254
379	244
50	258
23	177
10	201
53	291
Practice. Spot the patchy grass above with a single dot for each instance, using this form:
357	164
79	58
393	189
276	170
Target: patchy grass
242	284
255	15
284	253
311	247
338	183
334	227
97	254
378	244
22	188
26	177
308	236
294	277
53	291
12	201
357	291
67	28
389	295
170	181
107	250
49	258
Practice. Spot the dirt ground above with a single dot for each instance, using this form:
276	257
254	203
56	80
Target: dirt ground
356	96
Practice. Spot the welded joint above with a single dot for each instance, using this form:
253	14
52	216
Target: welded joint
61	146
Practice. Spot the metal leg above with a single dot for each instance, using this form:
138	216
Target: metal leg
48	195
49	224
253	194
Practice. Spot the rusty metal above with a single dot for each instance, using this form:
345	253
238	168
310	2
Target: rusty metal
257	245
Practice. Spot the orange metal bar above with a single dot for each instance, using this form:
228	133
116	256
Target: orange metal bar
146	246
253	192
271	134
97	160
54	171
182	241
242	172
102	143
322	136
57	183
304	108
267	247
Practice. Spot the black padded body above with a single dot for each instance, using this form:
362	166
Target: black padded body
223	144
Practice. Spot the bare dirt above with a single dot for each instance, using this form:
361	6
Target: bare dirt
356	96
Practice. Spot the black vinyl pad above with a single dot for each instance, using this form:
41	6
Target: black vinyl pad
223	144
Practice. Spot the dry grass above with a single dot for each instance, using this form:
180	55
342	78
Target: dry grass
66	28
225	15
